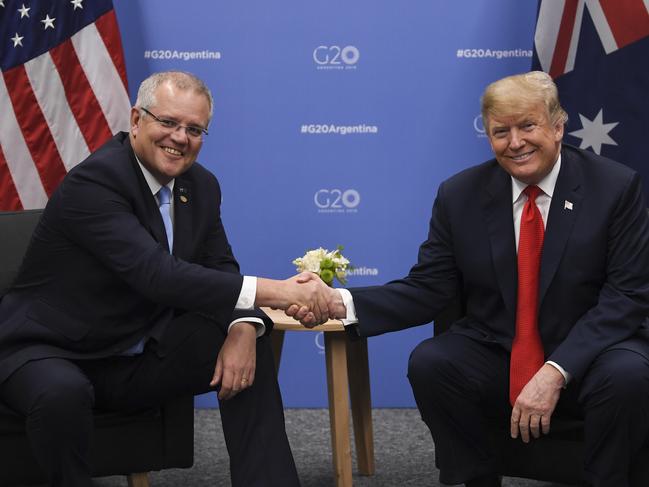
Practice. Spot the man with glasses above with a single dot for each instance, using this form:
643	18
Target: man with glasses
130	295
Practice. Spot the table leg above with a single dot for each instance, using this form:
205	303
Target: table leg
338	388
277	342
359	393
138	480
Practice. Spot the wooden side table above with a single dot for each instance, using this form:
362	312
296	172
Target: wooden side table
347	377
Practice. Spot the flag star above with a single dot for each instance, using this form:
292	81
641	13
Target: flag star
77	4
18	40
594	133
24	11
48	22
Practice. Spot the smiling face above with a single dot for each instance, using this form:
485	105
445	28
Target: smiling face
527	144
168	153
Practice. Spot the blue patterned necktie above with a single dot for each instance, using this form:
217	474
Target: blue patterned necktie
164	198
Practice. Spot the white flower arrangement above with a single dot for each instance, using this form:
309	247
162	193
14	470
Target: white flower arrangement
324	263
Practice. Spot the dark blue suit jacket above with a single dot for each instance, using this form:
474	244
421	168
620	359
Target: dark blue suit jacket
98	274
594	287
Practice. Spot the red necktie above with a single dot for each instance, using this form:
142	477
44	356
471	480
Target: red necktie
527	350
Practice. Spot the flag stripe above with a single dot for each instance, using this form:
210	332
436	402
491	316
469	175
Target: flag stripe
34	129
109	32
563	39
574	39
547	31
48	88
82	101
602	26
19	160
104	79
629	20
9	198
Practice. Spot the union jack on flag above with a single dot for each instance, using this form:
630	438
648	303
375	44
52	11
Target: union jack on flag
63	92
598	53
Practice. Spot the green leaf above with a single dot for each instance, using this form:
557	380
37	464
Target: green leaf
327	276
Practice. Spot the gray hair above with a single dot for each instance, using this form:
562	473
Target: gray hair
516	94
180	79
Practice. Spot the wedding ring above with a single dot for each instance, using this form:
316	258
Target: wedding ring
244	381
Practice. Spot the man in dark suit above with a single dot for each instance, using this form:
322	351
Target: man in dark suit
128	297
548	248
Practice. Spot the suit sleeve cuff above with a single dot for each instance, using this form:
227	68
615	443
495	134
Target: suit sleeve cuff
248	293
348	301
258	322
566	375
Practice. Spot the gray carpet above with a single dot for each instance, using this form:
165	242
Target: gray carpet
402	443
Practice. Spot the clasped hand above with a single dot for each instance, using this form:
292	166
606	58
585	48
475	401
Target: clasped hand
314	301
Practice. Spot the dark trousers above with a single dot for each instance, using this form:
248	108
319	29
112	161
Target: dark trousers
57	396
461	388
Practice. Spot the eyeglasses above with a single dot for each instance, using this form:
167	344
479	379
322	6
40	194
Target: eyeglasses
172	125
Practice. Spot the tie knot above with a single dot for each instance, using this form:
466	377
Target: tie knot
532	192
164	195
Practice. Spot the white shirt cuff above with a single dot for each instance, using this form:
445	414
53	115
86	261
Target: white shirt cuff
258	322
248	293
566	375
348	301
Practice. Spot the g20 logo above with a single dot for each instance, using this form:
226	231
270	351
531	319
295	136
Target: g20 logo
478	126
336	55
337	199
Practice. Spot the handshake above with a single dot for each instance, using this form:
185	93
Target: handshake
305	297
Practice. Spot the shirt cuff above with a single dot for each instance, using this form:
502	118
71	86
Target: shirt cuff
248	293
348	301
258	322
566	375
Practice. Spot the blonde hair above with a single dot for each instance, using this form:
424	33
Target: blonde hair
519	93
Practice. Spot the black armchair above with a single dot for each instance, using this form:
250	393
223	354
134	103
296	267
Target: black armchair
557	457
124	444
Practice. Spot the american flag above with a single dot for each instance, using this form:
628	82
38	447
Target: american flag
63	92
598	53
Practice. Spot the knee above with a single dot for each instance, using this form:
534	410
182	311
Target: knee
623	377
62	402
427	361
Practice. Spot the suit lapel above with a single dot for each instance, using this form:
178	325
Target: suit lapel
564	209
152	220
183	224
497	207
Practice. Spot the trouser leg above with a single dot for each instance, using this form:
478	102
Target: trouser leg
183	363
460	386
253	424
614	396
56	399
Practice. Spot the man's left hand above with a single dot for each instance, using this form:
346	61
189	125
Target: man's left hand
236	362
535	404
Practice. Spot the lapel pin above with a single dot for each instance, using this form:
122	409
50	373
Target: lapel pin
183	198
567	205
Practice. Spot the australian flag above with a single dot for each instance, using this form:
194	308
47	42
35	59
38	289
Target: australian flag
597	51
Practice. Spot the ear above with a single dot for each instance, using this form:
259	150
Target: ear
558	131
135	120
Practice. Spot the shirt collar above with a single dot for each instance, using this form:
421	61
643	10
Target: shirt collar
546	184
152	182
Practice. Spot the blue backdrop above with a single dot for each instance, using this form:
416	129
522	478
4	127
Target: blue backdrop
334	123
